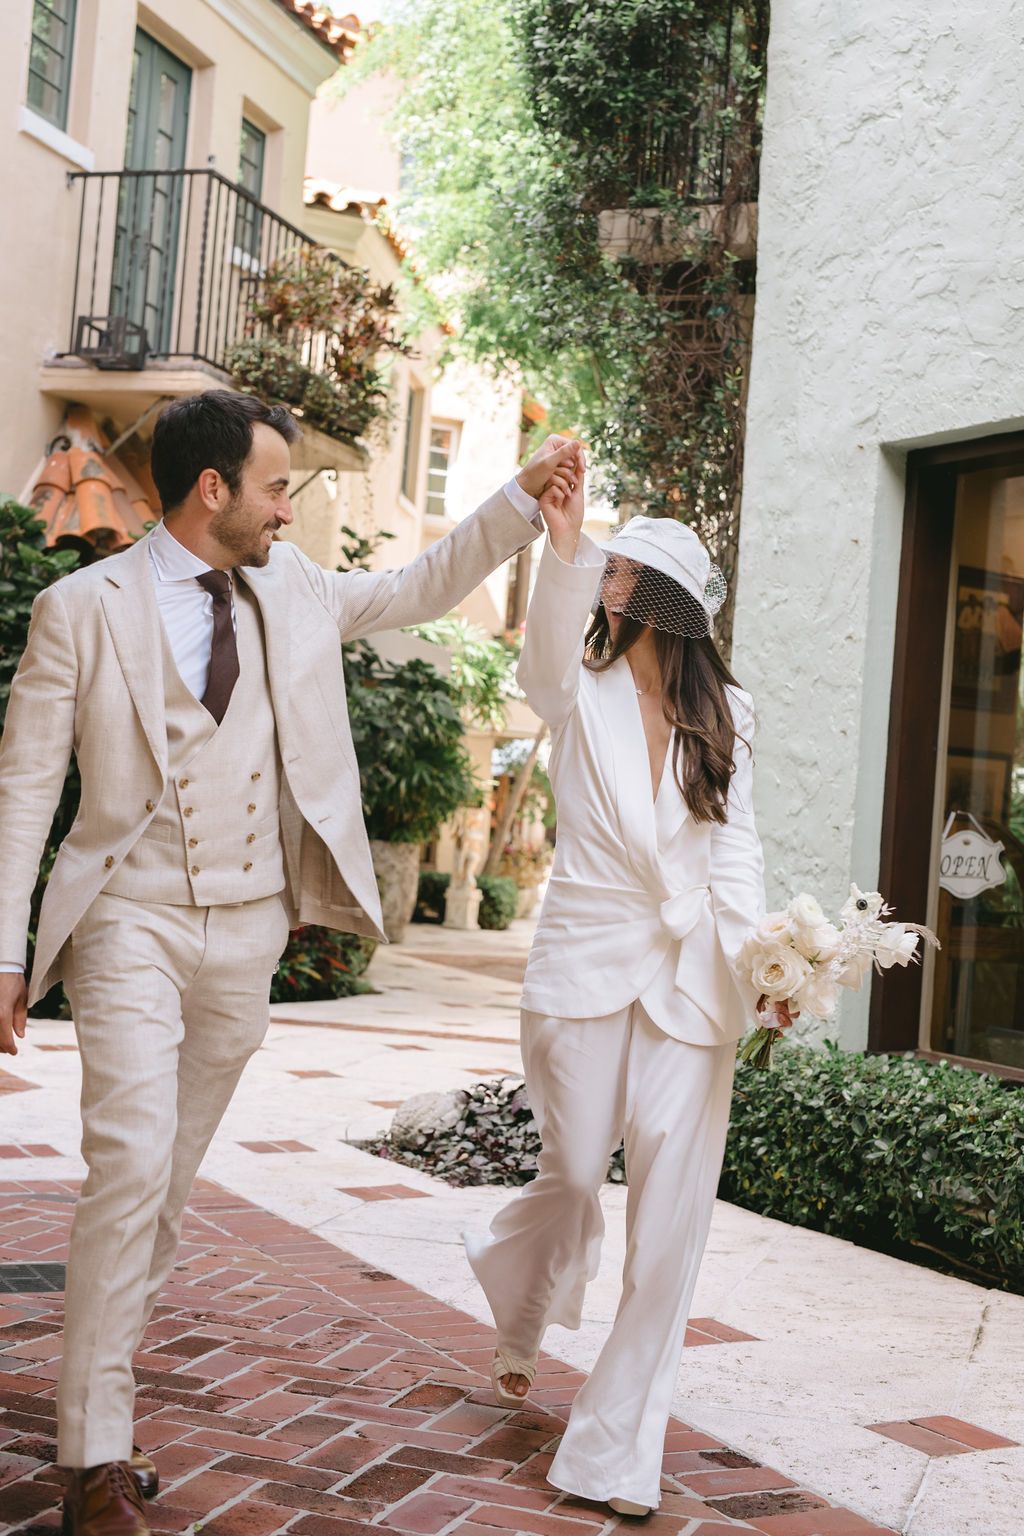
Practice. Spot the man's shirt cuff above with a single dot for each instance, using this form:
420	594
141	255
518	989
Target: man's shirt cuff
9	969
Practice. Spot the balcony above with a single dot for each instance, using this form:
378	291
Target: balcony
167	265
708	159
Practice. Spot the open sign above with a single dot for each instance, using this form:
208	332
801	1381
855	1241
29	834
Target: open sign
970	862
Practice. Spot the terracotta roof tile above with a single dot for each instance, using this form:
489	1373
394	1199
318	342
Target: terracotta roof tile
318	192
338	33
86	496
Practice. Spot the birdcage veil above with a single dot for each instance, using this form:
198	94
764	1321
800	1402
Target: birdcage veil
639	591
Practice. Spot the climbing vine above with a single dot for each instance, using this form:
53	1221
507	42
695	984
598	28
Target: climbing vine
580	181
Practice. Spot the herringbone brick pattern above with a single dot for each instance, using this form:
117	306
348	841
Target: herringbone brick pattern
286	1386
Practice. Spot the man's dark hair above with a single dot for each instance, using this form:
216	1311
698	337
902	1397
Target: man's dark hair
209	431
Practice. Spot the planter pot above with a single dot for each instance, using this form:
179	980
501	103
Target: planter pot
397	867
528	898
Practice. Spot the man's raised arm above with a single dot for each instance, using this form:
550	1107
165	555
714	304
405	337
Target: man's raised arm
363	602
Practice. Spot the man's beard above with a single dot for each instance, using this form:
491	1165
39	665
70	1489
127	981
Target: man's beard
232	527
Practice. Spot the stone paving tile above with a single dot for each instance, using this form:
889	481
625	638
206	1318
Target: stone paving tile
287	1386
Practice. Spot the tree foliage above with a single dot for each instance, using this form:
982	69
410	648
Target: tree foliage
521	123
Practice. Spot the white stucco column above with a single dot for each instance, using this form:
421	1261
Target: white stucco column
890	315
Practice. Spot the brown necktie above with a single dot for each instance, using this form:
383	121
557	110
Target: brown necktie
224	652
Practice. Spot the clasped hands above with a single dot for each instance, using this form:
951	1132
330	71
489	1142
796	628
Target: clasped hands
555	475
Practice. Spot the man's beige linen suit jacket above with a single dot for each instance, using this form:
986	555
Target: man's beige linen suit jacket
91	682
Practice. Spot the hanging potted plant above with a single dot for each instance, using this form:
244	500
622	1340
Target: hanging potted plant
316	331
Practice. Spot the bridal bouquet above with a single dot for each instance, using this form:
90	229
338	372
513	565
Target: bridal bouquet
798	956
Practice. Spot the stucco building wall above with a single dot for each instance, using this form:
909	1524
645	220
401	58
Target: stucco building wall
248	59
890	315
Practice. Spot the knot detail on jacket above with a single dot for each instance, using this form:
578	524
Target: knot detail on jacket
681	911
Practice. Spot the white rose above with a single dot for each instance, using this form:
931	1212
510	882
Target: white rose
805	912
818	995
779	974
853	972
895	947
774	928
819	944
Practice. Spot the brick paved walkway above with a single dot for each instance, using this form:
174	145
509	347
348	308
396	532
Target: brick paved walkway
286	1386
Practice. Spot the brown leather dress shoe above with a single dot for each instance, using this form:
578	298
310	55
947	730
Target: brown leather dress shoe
145	1473
103	1501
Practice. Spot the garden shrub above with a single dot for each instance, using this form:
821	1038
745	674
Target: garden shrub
501	899
319	964
891	1152
497	909
27	565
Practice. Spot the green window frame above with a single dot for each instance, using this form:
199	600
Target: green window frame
49	59
251	160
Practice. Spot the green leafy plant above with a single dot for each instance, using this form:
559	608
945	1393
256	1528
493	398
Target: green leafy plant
497	909
27	565
407	731
317	330
912	1157
319	963
483	669
526	123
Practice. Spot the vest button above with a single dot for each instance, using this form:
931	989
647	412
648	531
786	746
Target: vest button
250	807
184	783
246	867
251	838
255	776
150	805
108	862
193	842
195	869
187	811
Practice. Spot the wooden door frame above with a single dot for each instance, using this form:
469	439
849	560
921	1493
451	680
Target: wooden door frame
914	716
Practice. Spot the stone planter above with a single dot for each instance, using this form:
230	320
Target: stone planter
397	867
529	895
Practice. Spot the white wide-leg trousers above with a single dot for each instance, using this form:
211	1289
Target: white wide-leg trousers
592	1082
169	1004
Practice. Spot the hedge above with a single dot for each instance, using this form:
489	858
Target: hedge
892	1152
497	909
920	1159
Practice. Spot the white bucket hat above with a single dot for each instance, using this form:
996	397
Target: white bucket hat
670	547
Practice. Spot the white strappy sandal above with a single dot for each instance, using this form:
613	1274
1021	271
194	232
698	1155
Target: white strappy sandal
511	1365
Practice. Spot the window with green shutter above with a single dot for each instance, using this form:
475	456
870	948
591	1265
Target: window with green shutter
250	179
49	60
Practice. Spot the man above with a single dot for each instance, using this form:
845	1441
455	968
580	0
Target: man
198	679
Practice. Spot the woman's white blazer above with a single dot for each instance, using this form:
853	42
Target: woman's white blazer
644	902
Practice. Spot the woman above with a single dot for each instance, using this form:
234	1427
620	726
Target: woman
631	1005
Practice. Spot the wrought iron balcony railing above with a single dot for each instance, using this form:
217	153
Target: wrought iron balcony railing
167	266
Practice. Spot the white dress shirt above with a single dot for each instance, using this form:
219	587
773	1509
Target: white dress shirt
186	608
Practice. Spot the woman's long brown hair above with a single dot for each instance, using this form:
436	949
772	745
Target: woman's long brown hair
694	698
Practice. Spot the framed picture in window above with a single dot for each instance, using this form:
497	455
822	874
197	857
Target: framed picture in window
979	782
989	627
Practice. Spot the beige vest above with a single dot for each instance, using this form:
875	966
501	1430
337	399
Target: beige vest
215	835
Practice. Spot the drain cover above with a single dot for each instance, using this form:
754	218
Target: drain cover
23	1278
